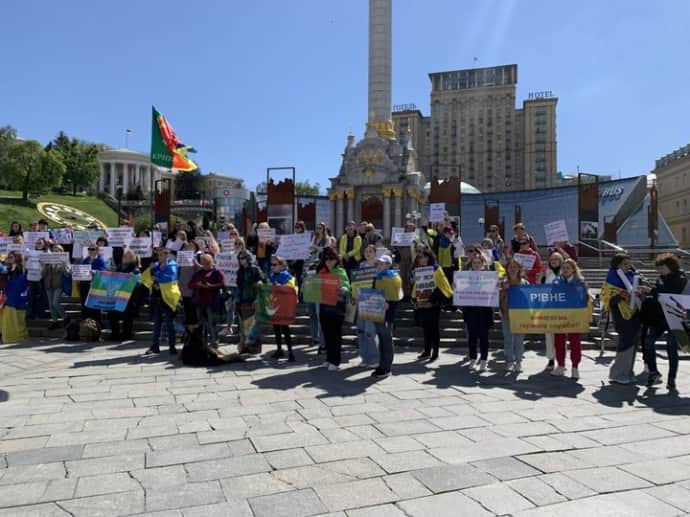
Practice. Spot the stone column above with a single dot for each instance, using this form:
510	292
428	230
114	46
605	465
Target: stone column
101	178
397	207
350	195
386	212
125	178
113	177
339	215
332	203
380	43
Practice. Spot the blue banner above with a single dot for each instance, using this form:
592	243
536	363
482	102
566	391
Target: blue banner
549	309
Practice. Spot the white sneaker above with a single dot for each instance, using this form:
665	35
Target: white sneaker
325	364
333	367
510	366
481	366
518	367
558	371
575	374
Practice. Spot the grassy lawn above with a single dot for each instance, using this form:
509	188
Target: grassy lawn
13	208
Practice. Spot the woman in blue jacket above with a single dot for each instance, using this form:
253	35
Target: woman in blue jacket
97	264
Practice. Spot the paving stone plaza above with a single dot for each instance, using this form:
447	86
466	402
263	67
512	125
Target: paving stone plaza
99	430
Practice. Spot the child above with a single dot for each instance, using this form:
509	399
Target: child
280	275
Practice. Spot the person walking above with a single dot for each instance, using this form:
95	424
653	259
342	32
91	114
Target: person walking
207	287
280	275
513	343
332	316
390	283
427	303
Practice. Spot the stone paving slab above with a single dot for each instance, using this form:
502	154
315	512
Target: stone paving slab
101	430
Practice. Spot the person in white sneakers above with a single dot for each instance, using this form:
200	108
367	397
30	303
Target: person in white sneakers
513	344
478	321
570	274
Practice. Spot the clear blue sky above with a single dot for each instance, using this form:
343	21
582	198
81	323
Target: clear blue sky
275	82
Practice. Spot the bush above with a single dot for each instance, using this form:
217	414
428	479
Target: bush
142	223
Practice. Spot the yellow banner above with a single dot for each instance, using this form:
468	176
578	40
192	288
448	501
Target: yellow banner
550	321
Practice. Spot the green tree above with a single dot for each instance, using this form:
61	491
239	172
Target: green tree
81	161
7	135
31	168
304	188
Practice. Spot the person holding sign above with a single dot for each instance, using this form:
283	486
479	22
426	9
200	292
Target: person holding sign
350	246
281	276
129	264
13	313
248	276
570	274
406	254
264	249
478	321
513	344
529	260
444	246
671	280
37	302
390	283
429	291
553	271
97	264
620	297
53	278
332	316
366	329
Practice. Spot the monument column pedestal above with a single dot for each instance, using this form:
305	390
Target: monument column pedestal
350	195
339	215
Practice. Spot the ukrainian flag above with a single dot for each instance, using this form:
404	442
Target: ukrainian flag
167	281
549	309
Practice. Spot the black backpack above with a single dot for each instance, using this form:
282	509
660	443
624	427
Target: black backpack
72	331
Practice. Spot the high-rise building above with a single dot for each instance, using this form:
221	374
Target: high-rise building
475	131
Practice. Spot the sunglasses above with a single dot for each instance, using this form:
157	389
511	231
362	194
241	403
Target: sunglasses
92	249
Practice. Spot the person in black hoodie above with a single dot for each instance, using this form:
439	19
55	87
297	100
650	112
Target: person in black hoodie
671	280
130	264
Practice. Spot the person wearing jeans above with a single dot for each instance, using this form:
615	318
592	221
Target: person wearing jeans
207	285
513	344
161	279
390	283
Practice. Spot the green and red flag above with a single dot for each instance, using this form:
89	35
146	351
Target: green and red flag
166	148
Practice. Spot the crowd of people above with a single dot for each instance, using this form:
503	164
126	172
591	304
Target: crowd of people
205	301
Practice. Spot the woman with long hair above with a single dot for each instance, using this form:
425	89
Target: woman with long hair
207	285
185	276
478	321
428	302
570	274
332	316
53	281
13	314
130	264
366	330
553	271
513	344
248	277
37	302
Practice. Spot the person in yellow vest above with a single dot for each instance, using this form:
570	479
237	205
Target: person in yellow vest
390	283
349	247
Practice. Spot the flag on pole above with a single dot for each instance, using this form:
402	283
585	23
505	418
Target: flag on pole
166	148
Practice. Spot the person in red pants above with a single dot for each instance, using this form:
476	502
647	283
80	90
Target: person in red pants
570	274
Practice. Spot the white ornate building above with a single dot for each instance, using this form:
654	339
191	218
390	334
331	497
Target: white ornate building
127	169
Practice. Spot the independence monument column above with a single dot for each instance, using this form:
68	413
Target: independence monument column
380	62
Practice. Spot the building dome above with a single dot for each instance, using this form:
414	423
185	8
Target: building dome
465	188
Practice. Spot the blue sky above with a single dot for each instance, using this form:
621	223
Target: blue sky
279	83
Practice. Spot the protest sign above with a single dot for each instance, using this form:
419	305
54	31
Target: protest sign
81	272
549	309
475	288
403	238
4	242
175	245
676	307
141	246
525	260
276	304
266	235
111	291
371	304
227	245
424	285
380	252
228	264
437	212
294	246
202	242
54	258
33	265
62	236
222	236
157	238
362	278
396	229
17	248
556	231
119	237
321	289
30	238
185	258
103	251
84	239
488	256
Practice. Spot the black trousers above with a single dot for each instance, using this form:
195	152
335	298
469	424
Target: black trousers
332	328
280	331
127	318
478	323
190	317
429	319
84	287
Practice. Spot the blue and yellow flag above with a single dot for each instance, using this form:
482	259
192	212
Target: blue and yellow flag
549	309
167	281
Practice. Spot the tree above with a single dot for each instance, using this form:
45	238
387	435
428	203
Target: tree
31	168
81	161
304	188
7	135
